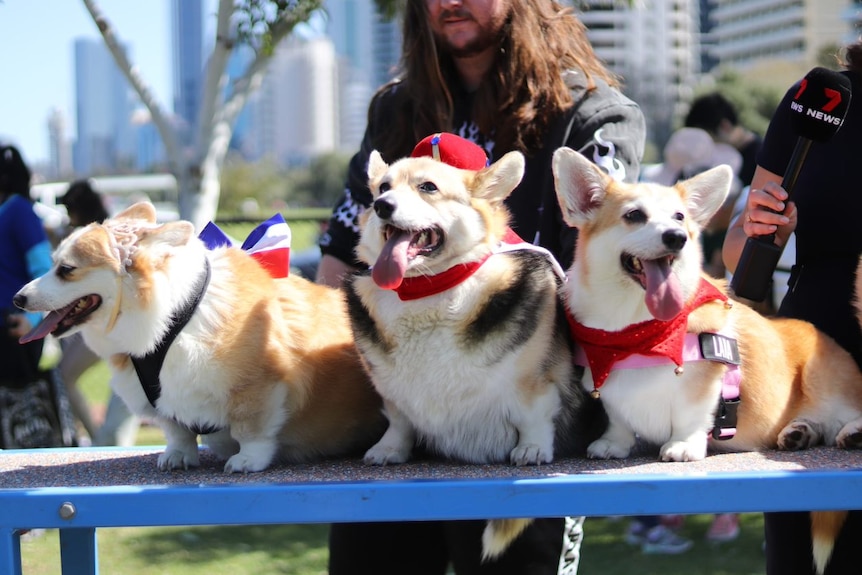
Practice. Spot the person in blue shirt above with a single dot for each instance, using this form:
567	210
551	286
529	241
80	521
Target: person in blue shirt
25	254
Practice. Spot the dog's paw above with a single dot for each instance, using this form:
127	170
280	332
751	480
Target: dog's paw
172	459
850	436
382	454
682	451
244	463
799	434
530	454
604	449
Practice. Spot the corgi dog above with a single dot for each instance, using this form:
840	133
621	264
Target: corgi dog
458	322
674	359
264	369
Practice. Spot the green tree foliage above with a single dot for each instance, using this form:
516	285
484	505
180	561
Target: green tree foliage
389	8
321	183
828	56
254	188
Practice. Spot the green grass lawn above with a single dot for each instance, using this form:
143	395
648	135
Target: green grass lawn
302	550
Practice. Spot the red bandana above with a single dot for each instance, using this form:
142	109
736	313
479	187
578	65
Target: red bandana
653	337
424	286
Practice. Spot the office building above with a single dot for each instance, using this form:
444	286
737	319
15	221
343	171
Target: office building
655	47
295	111
60	160
187	64
778	41
103	106
368	48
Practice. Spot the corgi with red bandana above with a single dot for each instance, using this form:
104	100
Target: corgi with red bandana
662	343
660	340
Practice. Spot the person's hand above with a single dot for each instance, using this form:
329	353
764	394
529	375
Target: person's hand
18	325
767	213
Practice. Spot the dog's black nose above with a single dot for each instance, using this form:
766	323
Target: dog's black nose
384	207
20	301
674	239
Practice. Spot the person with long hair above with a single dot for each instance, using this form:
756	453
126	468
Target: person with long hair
822	213
506	75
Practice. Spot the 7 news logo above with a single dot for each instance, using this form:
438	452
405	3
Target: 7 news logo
833	99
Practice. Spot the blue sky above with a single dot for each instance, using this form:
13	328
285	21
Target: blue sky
37	69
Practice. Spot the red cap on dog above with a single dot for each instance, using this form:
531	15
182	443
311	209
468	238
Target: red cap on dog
453	150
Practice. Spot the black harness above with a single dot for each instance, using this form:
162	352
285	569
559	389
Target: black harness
149	366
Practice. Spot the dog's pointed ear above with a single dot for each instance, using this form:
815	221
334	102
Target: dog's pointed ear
139	211
376	166
498	180
706	192
174	234
581	186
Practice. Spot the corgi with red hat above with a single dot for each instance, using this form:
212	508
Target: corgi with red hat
458	321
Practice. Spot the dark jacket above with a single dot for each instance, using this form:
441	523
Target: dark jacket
603	124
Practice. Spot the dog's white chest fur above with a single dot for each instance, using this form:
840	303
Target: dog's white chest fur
456	400
652	401
459	396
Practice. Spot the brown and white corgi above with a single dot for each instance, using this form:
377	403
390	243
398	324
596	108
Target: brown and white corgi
264	369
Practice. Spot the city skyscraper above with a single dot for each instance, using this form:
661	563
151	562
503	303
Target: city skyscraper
295	111
779	40
103	106
655	48
368	49
187	63
60	160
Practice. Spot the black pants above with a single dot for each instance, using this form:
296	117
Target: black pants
428	547
788	545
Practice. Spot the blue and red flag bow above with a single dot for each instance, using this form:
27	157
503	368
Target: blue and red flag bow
268	243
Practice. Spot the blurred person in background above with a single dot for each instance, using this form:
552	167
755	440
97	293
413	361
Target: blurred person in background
120	427
34	410
823	214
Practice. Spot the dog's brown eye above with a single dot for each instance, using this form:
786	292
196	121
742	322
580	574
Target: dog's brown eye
427	187
635	217
384	187
679	216
64	271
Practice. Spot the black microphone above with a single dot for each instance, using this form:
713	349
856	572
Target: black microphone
817	110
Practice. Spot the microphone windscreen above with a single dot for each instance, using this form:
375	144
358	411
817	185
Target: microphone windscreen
820	104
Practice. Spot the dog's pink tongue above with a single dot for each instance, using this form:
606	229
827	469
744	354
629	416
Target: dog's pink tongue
664	297
45	327
388	271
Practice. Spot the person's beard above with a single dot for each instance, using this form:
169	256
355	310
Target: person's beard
489	36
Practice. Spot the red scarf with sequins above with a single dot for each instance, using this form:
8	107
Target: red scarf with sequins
653	337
